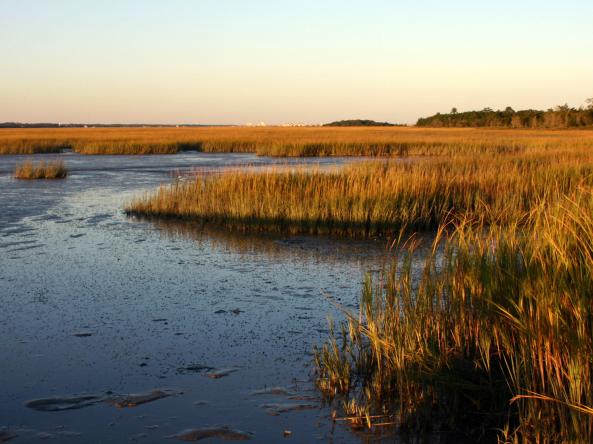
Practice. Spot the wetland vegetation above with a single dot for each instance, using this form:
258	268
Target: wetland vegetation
294	142
303	249
376	198
494	338
30	170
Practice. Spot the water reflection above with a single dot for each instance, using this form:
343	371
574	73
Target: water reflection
278	247
106	304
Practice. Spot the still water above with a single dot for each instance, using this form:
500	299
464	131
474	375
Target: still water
99	305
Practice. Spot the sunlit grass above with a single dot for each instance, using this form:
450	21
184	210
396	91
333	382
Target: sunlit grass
276	141
495	338
373	199
40	170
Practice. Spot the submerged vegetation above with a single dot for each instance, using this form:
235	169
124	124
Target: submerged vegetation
41	170
277	141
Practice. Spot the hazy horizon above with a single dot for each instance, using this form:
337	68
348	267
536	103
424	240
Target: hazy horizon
233	62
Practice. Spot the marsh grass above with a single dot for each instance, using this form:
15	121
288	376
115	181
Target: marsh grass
33	145
495	338
295	142
373	199
41	170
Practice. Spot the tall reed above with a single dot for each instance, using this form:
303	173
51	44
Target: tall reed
495	338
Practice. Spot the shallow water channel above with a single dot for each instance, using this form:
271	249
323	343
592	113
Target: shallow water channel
203	324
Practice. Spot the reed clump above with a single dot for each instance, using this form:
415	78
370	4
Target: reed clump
41	170
496	337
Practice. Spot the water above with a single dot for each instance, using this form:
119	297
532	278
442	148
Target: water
96	303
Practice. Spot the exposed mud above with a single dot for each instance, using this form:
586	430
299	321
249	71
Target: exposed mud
278	408
61	404
195	368
221	372
274	391
223	432
134	400
105	305
6	434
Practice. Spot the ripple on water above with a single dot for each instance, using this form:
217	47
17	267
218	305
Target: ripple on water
150	309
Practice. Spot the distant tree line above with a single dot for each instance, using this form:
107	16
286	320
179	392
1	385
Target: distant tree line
561	116
360	122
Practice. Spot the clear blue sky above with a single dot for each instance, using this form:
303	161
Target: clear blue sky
222	61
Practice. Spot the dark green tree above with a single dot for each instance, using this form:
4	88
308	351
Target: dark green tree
562	116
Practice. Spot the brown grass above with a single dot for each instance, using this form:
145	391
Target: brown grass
277	141
377	198
41	170
495	338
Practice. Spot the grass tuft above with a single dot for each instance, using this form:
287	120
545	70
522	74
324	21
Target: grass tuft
40	170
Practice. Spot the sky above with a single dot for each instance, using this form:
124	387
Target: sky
239	61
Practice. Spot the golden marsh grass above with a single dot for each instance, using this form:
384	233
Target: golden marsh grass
495	339
374	198
40	170
278	141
